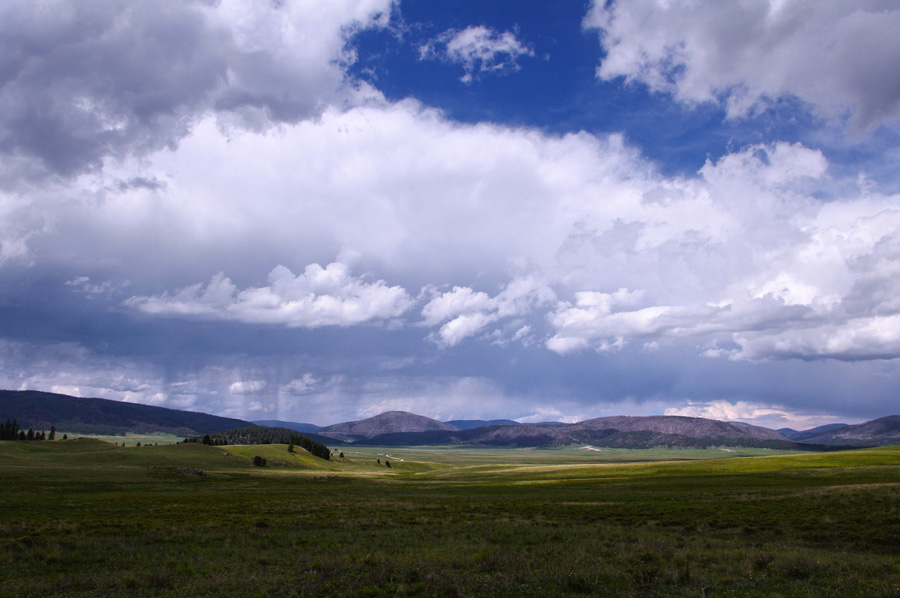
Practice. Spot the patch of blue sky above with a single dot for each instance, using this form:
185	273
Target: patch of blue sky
556	89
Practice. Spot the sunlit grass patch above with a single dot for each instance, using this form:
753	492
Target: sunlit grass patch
89	518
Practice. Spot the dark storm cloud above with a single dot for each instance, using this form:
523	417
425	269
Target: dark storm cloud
84	80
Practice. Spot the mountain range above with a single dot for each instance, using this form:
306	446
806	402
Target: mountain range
40	410
400	428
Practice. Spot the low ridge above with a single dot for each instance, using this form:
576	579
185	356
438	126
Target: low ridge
882	431
694	427
468	424
40	410
295	426
391	422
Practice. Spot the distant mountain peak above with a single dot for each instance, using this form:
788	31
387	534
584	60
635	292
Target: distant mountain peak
389	422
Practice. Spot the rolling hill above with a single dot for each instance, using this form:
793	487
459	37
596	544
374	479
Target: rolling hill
878	432
694	427
40	410
800	436
401	428
613	432
391	422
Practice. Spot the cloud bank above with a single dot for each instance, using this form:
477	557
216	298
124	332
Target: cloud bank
320	296
744	260
838	56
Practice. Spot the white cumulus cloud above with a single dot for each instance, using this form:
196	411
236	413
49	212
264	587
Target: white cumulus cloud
478	49
802	278
463	312
760	414
839	56
327	296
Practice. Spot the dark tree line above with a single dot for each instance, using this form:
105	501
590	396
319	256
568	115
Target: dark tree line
264	435
209	440
316	449
11	431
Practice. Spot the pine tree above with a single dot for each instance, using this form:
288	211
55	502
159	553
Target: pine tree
52	432
9	430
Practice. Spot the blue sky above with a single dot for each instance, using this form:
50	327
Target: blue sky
318	211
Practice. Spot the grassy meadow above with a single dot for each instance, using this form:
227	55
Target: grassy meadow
87	518
129	438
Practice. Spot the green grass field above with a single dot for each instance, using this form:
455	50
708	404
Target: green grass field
130	438
87	518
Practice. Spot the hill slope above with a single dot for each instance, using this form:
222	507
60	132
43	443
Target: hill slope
882	431
296	426
802	435
618	432
468	424
40	410
693	427
391	422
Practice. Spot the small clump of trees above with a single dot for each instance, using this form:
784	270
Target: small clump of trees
11	431
264	435
316	449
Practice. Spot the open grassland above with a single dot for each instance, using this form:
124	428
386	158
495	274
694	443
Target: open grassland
129	439
86	518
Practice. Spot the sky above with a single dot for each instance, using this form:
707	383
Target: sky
320	210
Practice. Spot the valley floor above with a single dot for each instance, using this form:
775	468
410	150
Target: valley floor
86	518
